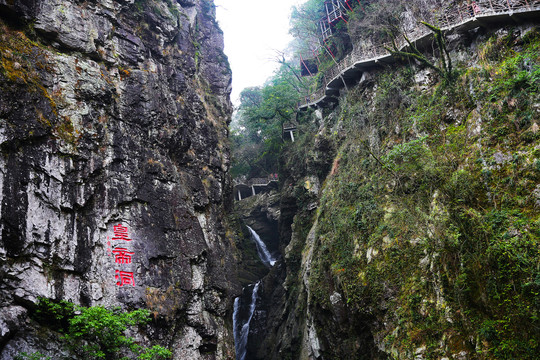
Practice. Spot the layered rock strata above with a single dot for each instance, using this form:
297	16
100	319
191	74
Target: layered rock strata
113	168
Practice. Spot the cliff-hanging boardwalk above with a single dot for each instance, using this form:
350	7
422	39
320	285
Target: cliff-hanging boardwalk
245	188
454	18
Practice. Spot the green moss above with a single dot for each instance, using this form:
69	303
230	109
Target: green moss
21	59
18	58
443	228
65	130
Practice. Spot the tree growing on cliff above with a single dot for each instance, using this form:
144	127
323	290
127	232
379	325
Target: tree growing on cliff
93	333
444	69
99	333
262	112
382	22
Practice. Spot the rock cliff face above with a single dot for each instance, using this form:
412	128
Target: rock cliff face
260	212
113	168
415	214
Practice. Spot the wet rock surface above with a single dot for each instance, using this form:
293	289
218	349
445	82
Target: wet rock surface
262	213
114	113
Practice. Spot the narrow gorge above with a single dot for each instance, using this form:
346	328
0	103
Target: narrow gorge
408	206
378	197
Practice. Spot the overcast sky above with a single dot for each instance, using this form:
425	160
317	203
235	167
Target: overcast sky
253	29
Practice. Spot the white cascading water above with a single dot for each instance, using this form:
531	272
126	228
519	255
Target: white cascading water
241	332
262	250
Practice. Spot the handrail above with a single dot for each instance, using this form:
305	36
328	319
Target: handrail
258	181
449	18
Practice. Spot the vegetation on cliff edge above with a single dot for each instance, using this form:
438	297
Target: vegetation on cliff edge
430	221
96	332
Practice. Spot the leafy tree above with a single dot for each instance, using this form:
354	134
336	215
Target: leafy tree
305	28
256	140
96	332
55	314
305	19
263	110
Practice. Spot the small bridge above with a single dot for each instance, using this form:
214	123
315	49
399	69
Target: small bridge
246	188
454	18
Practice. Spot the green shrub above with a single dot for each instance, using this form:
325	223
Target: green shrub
96	332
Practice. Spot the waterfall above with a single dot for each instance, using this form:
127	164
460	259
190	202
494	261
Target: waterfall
262	250
241	331
241	314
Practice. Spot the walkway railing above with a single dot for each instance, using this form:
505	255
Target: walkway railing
256	181
262	181
246	188
449	18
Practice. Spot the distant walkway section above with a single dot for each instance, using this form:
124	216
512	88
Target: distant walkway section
244	188
453	18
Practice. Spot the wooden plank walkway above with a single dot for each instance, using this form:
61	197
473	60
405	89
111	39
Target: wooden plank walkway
455	18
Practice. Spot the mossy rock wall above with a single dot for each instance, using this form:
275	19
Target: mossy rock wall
424	243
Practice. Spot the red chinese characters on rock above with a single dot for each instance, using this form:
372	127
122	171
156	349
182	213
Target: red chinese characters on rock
120	233
124	278
122	256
